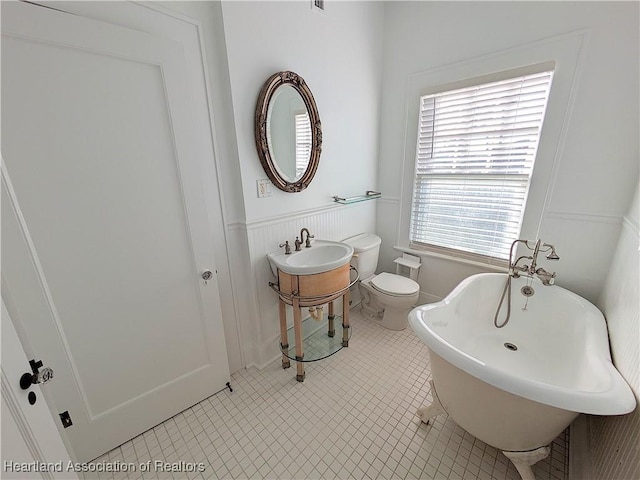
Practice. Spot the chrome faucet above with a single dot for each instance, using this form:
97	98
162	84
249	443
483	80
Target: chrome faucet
532	269
307	242
534	258
515	270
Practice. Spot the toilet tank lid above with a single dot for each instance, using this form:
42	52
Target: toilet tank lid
363	242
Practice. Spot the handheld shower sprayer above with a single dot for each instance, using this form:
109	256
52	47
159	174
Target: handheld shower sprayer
553	255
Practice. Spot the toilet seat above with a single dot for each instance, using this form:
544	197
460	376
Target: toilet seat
396	285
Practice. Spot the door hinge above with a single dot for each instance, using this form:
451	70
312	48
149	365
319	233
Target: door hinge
65	418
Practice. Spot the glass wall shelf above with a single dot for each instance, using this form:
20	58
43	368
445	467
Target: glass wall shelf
369	195
317	343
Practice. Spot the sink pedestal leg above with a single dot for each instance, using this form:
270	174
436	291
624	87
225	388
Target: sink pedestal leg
330	317
297	327
284	341
345	319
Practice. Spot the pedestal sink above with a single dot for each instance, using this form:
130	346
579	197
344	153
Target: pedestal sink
322	256
312	277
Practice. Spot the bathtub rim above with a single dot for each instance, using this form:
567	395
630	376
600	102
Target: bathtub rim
616	400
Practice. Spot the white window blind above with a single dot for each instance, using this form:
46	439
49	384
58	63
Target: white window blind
474	158
303	142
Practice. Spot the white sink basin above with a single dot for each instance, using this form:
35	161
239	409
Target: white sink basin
322	256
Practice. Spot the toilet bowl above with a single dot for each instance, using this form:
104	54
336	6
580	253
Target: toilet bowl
396	295
385	297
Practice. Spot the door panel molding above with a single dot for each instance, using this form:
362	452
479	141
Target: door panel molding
30	439
37	267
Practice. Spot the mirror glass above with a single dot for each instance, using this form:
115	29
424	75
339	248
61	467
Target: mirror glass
288	133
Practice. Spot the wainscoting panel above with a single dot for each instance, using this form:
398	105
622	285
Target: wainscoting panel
614	440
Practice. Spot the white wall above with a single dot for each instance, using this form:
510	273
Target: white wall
338	53
358	58
614	440
592	170
588	158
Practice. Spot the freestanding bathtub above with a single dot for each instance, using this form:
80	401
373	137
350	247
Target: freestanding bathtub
518	387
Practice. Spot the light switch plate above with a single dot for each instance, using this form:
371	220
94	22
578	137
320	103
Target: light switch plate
264	188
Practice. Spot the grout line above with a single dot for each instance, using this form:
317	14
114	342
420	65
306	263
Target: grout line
353	417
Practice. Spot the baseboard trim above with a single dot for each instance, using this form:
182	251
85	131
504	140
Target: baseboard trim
426	297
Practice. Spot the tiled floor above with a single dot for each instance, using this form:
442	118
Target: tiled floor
353	417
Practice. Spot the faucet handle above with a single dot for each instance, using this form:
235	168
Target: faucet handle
287	247
297	244
547	278
307	244
516	269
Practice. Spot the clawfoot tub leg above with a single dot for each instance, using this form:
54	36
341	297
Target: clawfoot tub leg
524	460
436	408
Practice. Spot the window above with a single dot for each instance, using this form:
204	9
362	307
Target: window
474	158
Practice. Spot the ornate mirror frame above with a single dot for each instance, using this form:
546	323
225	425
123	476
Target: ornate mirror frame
264	99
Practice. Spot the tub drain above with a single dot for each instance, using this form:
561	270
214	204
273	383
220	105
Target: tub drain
510	346
527	291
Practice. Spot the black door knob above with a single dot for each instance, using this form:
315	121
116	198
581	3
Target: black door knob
26	381
43	376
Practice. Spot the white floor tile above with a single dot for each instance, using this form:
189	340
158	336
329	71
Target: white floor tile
352	417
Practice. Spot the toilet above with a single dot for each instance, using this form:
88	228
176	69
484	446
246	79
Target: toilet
386	297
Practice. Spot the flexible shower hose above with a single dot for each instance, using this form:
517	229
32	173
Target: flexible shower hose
507	287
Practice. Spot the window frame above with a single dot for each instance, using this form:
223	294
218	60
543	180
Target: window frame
567	52
483	82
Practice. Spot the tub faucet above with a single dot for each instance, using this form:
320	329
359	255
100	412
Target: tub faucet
515	270
534	259
307	242
533	270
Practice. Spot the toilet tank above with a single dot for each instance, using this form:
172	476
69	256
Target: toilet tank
366	248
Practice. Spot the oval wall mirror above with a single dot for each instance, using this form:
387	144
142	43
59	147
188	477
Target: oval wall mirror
288	132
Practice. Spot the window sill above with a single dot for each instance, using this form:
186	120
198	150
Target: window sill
453	258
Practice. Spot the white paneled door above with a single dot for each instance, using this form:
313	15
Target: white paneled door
105	238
